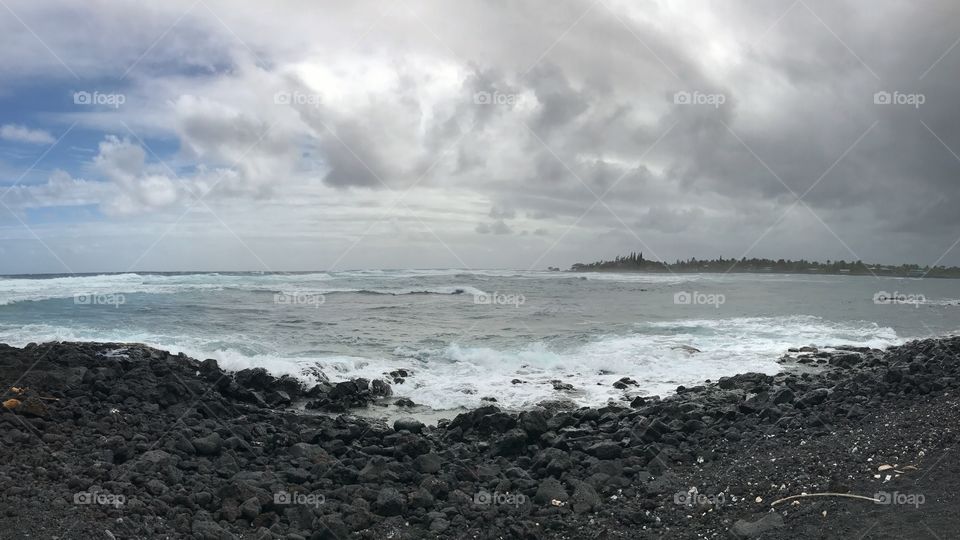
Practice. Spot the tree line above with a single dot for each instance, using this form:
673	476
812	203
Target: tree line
635	262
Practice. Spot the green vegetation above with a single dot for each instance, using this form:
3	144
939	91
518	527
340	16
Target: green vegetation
635	262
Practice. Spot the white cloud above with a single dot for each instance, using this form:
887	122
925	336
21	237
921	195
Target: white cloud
23	134
141	187
61	189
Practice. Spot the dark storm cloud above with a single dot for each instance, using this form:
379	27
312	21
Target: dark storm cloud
699	123
351	159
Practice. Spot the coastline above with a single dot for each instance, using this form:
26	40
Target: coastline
752	272
147	443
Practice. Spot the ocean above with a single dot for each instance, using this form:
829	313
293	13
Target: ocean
468	335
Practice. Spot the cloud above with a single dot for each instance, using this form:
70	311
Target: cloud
60	190
498	227
511	117
23	134
141	187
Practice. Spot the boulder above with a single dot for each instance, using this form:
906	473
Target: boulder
209	445
408	424
390	502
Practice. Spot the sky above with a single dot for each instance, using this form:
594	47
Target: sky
277	136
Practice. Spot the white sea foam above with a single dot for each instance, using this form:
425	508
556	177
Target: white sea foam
14	290
459	376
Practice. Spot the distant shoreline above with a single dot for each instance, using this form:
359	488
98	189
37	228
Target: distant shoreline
760	272
634	262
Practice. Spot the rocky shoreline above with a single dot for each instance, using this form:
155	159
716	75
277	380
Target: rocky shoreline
126	441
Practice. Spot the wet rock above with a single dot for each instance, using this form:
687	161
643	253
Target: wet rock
380	389
845	360
254	378
408	424
534	423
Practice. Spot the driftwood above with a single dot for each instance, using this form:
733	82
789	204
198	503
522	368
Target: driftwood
805	495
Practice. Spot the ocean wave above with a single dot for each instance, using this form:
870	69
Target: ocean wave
13	290
451	375
453	289
23	289
448	290
941	302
